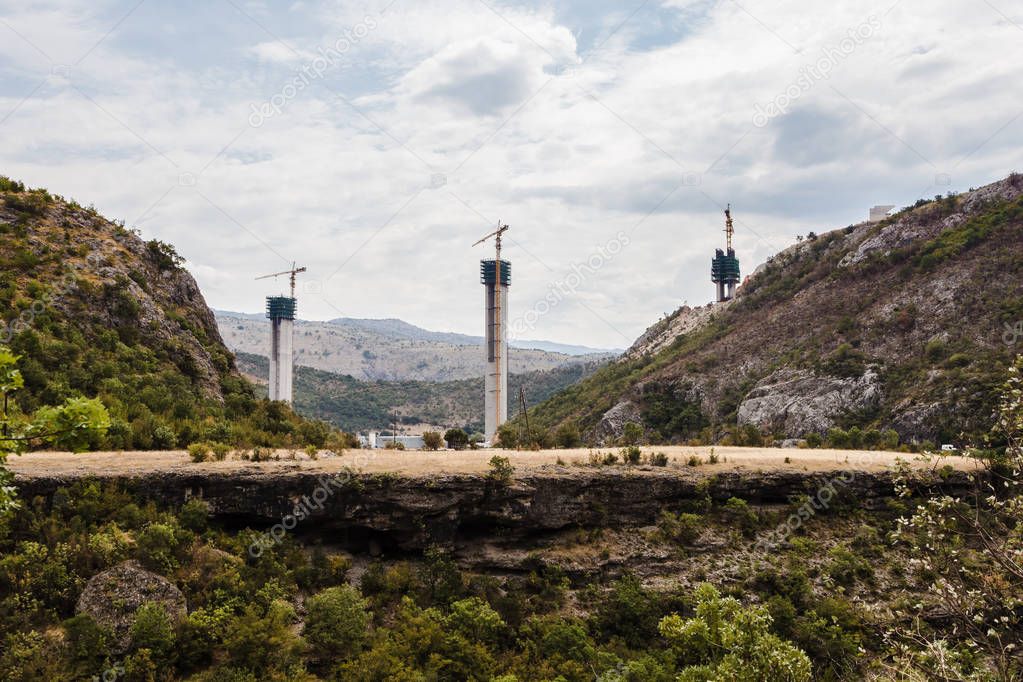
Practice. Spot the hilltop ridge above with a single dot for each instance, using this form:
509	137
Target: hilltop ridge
894	326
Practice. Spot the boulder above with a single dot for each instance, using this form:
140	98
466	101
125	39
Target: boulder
113	597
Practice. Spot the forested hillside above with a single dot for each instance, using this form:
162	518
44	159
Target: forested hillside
96	311
357	405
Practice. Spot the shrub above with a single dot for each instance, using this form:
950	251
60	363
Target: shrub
659	459
631	454
432	440
154	631
567	436
501	470
336	623
261	454
728	641
263	643
200	452
684	528
632	433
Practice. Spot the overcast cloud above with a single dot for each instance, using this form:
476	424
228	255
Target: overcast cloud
374	142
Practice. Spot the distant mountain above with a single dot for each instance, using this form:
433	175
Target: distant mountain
357	405
390	350
402	329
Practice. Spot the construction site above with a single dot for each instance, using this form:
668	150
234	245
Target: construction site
495	276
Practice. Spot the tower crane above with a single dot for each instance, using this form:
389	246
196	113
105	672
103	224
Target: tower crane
291	273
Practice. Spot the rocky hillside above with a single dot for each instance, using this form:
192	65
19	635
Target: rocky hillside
388	350
358	405
907	325
95	310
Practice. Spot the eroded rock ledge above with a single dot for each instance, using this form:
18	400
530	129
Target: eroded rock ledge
412	512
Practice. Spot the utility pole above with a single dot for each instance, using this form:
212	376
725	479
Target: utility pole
525	414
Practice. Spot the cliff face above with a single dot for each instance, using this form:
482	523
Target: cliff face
893	325
410	513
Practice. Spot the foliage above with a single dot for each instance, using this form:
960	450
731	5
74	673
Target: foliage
567	436
432	440
727	641
457	439
336	623
672	412
501	470
967	551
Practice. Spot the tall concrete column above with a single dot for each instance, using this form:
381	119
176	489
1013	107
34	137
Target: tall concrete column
281	311
496	278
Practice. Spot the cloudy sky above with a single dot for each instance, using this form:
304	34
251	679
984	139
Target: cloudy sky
374	141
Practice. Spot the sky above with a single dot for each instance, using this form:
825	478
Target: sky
373	142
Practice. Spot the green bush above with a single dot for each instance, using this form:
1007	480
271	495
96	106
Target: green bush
336	623
567	436
501	470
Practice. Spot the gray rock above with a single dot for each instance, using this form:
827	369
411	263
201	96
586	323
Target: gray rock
612	424
113	597
797	402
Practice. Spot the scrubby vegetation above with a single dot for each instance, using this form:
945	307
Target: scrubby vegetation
96	313
916	590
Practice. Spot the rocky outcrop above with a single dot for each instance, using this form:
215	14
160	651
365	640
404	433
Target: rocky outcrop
683	321
798	402
411	513
612	424
113	597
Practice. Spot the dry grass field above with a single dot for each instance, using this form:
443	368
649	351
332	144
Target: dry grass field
469	461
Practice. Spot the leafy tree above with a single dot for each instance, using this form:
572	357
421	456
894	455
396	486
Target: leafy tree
76	425
968	549
77	421
457	439
154	631
507	436
336	623
474	619
632	433
727	641
262	642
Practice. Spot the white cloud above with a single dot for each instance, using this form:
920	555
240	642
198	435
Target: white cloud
449	104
